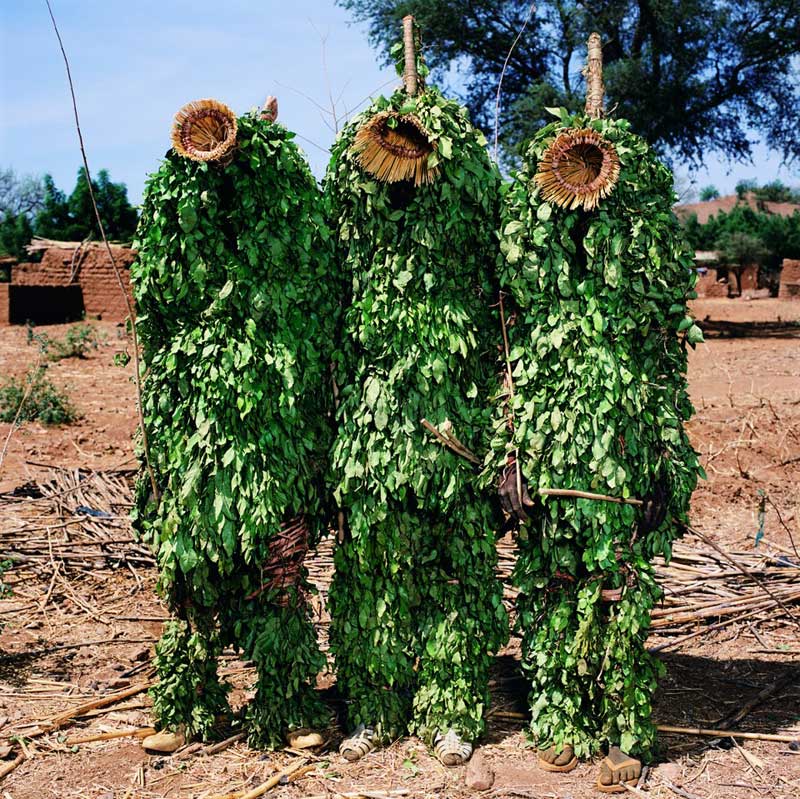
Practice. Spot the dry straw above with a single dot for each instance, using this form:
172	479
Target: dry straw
204	130
579	168
394	147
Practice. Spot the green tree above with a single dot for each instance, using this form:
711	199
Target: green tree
20	199
709	193
764	237
777	192
745	187
15	233
742	248
73	219
692	76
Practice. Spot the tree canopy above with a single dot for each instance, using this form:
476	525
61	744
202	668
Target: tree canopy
746	235
692	76
72	218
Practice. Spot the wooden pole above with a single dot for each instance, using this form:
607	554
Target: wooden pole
410	77
595	90
751	736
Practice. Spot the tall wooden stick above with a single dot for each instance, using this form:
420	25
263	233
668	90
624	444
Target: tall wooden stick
114	265
595	90
410	77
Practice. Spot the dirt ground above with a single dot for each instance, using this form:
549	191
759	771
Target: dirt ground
747	395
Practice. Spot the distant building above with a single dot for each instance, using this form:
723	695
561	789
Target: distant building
705	210
74	280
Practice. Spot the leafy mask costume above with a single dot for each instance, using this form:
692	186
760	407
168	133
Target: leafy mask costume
236	316
416	608
596	278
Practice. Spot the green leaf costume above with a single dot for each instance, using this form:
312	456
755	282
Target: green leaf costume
416	608
236	316
597	311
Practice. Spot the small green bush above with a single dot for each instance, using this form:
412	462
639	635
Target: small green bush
40	400
76	344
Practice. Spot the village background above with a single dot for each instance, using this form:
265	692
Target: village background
78	609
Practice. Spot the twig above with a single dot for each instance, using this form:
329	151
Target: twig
734	718
569	492
450	442
7	768
503	74
136	732
775	508
272	781
679	791
751	736
63	719
114	265
223	745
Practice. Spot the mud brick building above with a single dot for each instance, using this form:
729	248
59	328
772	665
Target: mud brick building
790	280
73	280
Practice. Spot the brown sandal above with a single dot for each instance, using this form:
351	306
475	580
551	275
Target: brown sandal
568	766
616	768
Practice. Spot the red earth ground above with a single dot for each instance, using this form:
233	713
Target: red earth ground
747	428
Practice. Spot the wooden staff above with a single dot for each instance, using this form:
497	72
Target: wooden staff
410	76
595	90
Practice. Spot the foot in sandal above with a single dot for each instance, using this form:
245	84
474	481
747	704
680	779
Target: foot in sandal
553	759
451	749
618	768
360	743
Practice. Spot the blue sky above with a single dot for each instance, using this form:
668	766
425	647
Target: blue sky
135	62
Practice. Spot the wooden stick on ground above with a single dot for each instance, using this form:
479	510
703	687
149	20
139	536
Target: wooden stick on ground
61	720
7	768
751	736
274	780
136	732
783	682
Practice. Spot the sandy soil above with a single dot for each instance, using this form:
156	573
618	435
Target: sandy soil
747	427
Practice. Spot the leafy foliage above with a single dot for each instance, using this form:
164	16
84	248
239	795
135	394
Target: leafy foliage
708	193
235	313
742	248
77	343
16	232
39	398
772	237
693	77
598	332
414	577
20	199
72	218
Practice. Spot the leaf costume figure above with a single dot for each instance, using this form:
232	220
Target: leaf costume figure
236	317
596	278
416	609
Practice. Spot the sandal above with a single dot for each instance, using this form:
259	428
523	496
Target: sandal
561	768
451	749
362	741
614	770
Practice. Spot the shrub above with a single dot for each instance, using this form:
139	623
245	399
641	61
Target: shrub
35	398
76	344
